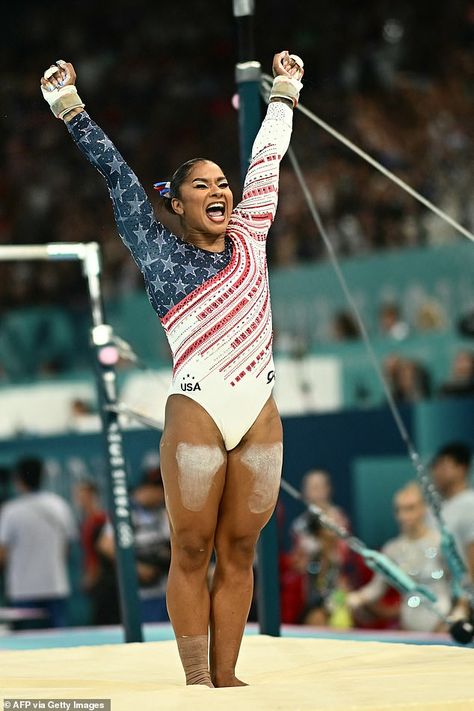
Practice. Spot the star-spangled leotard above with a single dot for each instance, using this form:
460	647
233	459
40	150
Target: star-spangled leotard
214	307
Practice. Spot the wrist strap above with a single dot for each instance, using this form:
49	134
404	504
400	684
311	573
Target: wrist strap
65	100
286	88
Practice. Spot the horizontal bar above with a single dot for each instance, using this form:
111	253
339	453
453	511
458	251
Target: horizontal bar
122	409
54	250
267	81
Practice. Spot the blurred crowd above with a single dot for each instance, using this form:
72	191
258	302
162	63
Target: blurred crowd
410	379
160	81
323	581
39	530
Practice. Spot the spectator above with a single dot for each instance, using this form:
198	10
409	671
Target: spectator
82	418
344	327
417	123
317	550
4	484
35	531
461	382
36	342
152	545
391	323
417	551
409	381
466	324
99	579
451	476
430	317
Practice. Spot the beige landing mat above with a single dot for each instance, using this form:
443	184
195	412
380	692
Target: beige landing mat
292	674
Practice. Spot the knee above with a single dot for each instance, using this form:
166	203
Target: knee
237	553
191	551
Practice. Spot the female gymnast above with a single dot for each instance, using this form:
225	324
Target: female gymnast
221	448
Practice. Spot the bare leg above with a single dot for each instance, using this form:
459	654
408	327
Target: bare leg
250	493
193	464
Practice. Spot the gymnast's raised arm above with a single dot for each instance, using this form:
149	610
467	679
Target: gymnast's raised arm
133	211
260	193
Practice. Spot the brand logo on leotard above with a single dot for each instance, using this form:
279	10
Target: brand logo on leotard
188	384
270	376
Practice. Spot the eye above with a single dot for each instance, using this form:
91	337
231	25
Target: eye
225	184
200	186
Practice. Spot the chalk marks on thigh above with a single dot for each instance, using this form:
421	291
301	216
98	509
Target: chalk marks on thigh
197	468
264	461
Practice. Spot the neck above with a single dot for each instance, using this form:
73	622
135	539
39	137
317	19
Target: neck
455	488
417	532
90	508
204	240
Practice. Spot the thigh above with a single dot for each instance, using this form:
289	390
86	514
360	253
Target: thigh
253	479
193	463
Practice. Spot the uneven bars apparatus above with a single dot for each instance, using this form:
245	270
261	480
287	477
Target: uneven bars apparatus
105	348
248	77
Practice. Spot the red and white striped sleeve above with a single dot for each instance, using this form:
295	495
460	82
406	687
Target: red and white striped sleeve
260	193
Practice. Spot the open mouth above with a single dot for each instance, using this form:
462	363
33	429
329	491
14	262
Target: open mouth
216	211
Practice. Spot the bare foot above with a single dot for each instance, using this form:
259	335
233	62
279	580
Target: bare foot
227	680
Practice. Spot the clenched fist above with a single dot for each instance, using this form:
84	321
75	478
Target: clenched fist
289	65
58	75
58	89
287	72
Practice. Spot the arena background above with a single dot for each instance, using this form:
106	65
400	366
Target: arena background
396	77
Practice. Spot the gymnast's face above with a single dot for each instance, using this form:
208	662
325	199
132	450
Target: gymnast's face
205	200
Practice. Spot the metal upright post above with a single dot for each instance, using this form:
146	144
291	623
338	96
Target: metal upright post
247	75
106	359
107	355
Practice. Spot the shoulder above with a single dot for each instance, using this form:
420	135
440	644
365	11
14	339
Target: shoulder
339	515
463	503
7	510
12	514
468	497
393	547
15	507
303	523
56	502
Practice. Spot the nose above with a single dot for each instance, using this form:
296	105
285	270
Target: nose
216	190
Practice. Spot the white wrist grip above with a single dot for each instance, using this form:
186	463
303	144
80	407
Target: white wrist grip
286	88
62	100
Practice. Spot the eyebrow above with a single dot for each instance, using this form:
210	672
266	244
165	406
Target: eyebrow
207	180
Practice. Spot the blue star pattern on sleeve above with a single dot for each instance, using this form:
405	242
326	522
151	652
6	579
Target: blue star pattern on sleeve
171	268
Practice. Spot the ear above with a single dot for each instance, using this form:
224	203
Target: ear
177	206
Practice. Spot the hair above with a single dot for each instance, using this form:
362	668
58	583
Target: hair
346	326
412	485
151	477
29	471
179	176
458	452
88	485
390	308
317	472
